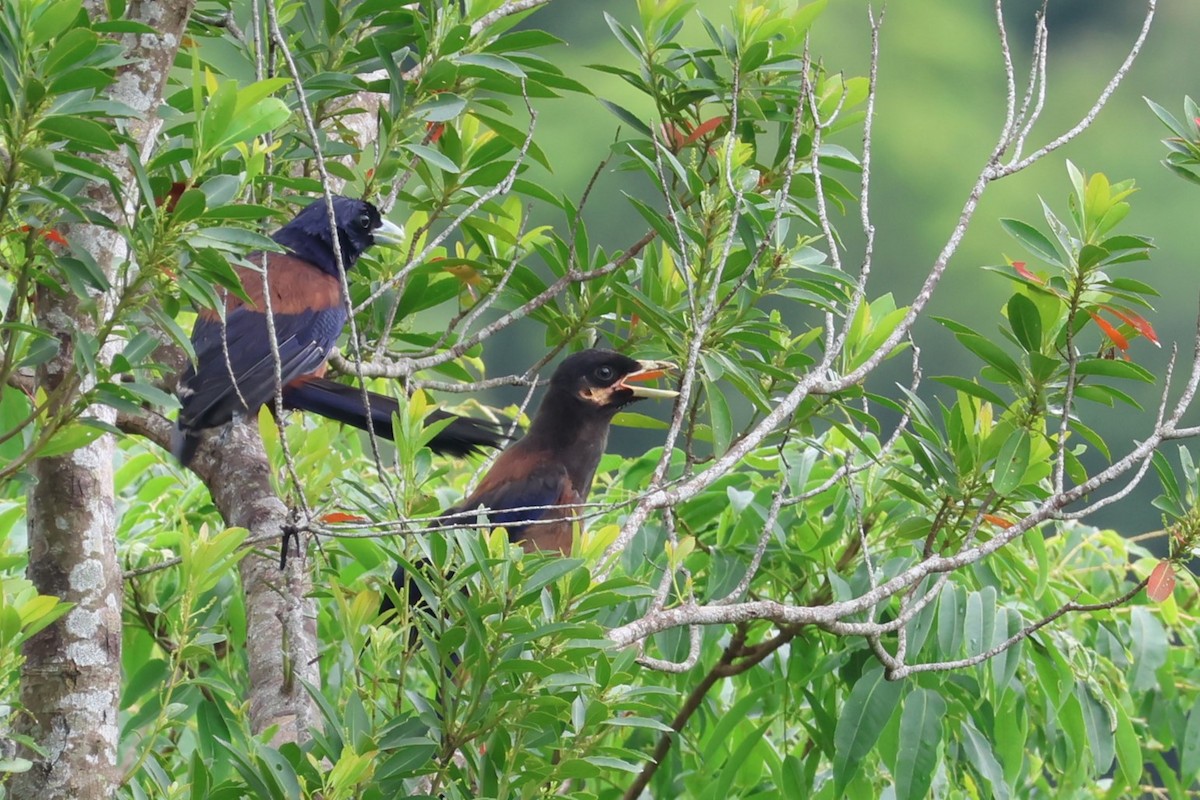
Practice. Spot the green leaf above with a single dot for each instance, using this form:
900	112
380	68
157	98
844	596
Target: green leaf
1033	240
980	620
722	732
412	756
1026	322
248	123
1168	119
1012	462
190	206
1166	477
71	437
226	238
80	79
739	757
1099	726
1129	749
254	778
547	573
864	715
433	157
983	759
950	619
992	354
628	117
719	415
1148	649
441	107
491	62
15	764
14	407
53	20
920	738
1114	368
82	131
629	38
632	419
72	48
972	388
1189	759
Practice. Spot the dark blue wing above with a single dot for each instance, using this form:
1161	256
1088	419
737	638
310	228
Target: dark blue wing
519	483
207	391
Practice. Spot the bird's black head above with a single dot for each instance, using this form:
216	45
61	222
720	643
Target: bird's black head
606	381
359	226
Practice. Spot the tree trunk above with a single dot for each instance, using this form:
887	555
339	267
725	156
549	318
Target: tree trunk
71	678
281	617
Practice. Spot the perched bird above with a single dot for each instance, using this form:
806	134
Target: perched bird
536	486
234	371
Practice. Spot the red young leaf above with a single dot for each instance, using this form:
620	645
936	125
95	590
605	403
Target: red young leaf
1137	322
339	516
704	127
999	522
1019	266
1162	581
436	129
53	236
1112	333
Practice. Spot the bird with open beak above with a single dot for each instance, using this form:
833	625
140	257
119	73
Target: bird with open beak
538	484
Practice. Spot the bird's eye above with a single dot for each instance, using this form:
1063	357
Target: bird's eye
605	373
364	221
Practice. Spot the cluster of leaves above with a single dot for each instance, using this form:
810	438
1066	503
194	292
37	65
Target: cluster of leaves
56	66
1183	157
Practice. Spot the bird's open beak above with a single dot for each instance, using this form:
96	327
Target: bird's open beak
388	233
650	370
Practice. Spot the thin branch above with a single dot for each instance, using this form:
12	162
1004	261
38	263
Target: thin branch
319	158
900	671
735	659
1094	111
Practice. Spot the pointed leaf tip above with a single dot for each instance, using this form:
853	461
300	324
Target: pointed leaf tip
1024	272
1110	331
1138	323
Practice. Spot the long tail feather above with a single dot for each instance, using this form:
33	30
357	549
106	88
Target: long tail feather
344	403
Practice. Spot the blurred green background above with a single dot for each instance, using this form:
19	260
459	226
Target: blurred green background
939	109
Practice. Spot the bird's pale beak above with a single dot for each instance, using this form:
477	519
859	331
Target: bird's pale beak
650	370
388	233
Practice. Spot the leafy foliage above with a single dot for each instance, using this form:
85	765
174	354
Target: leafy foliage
1030	666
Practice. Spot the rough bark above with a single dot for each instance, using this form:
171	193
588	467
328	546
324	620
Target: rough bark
281	616
70	682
